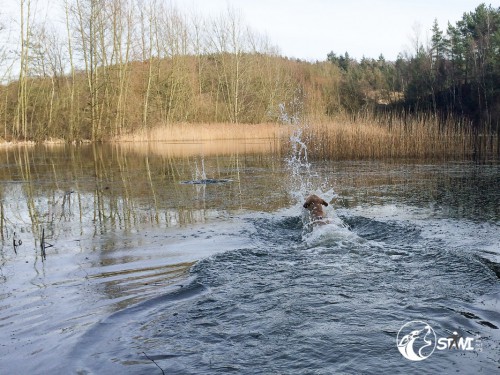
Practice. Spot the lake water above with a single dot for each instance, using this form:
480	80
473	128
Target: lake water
191	259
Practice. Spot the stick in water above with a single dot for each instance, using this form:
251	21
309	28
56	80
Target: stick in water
152	360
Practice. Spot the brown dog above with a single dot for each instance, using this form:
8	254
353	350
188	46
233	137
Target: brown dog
314	205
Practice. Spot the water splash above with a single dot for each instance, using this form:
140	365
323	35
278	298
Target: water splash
333	233
298	163
285	117
200	177
304	181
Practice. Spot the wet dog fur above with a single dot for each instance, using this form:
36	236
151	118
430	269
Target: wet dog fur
314	205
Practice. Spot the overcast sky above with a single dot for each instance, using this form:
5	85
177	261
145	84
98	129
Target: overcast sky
309	29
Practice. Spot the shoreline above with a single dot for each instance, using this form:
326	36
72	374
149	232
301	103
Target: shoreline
341	138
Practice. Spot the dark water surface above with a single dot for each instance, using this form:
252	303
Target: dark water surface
196	264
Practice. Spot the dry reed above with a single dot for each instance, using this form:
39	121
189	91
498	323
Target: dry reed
183	140
344	137
187	132
388	137
185	149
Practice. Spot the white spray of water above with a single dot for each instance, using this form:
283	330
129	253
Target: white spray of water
298	164
303	182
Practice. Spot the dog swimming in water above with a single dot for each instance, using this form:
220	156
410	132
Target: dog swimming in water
314	205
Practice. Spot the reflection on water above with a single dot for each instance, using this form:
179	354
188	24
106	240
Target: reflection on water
128	222
103	198
461	189
121	226
94	189
206	148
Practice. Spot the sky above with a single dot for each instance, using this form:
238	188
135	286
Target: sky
310	29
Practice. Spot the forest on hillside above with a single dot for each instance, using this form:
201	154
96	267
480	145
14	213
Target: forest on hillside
119	67
457	72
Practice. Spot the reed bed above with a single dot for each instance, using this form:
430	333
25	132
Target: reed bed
226	147
363	137
188	132
388	137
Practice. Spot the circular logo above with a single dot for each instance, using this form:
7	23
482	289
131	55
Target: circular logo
416	340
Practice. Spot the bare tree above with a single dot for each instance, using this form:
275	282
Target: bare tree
21	120
227	40
89	22
147	44
72	117
175	67
198	37
5	69
122	31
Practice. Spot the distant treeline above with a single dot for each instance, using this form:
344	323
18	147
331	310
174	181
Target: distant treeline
122	66
456	73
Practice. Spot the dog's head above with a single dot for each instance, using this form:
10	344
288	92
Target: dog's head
314	204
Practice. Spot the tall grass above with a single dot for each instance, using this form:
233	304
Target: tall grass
368	136
364	137
186	139
188	132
